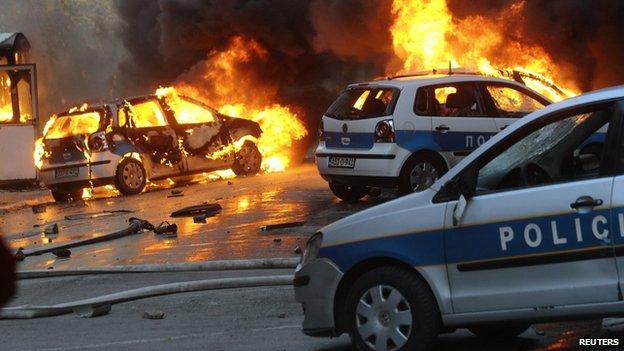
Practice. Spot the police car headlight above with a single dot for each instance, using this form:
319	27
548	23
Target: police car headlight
312	248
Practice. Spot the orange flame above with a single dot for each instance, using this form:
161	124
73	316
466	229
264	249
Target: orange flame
425	36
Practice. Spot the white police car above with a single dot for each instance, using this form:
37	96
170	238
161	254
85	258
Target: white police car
524	229
408	131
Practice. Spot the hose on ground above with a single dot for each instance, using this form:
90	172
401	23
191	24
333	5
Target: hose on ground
224	265
102	304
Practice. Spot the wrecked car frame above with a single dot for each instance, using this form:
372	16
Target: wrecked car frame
127	141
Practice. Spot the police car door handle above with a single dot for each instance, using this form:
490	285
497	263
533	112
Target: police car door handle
585	202
442	128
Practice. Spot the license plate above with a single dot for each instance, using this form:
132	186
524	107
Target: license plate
341	162
66	172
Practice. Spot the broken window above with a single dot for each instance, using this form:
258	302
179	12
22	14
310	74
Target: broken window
147	114
6	105
363	103
72	125
510	102
187	112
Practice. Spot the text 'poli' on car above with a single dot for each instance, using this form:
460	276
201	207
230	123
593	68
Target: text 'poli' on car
408	131
128	141
525	229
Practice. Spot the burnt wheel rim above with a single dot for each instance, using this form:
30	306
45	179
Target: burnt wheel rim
132	175
422	176
383	318
249	158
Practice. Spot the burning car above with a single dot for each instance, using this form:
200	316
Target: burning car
125	142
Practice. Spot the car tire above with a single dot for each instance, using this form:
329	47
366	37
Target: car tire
130	176
499	331
392	305
419	173
66	195
348	193
247	160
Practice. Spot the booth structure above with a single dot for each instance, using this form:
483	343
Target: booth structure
19	113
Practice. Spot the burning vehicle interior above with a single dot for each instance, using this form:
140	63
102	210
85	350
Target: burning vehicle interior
129	141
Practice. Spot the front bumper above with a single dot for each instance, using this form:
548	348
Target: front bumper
315	288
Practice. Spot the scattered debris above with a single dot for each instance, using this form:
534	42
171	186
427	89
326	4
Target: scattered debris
90	311
277	240
61	253
51	229
229	182
203	209
297	250
166	230
200	218
176	193
282	225
91	215
39	208
281	315
153	314
136	226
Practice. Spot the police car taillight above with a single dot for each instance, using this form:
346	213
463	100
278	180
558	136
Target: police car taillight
97	142
384	132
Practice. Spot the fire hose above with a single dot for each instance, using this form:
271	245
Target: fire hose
224	265
102	304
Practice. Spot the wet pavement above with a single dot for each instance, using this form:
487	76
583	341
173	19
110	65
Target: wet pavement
235	233
235	319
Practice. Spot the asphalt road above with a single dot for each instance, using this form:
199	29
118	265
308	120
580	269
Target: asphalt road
264	318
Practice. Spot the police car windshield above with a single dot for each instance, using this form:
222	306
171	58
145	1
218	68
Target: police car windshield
545	147
361	103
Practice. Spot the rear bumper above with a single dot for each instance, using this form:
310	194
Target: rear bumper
381	164
100	170
315	288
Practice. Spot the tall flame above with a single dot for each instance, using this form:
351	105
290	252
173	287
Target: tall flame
426	36
236	94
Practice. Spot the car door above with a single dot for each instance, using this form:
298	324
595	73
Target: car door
151	132
536	234
617	213
507	103
459	122
205	139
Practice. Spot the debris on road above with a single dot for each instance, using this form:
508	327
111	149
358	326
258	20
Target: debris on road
203	209
282	225
175	193
229	183
91	311
61	253
136	226
166	230
153	314
277	240
39	208
281	315
200	218
51	229
91	215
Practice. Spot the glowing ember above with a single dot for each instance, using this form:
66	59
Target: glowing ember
425	36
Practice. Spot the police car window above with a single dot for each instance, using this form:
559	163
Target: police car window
553	153
147	114
456	101
513	103
363	103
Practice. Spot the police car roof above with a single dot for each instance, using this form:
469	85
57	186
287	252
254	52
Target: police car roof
591	97
432	79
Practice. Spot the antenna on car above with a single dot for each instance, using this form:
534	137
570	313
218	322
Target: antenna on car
450	71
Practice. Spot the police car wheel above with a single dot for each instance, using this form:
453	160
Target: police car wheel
66	195
499	331
419	173
247	160
130	177
391	309
348	193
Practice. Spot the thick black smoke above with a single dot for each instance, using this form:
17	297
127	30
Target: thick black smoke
583	36
314	47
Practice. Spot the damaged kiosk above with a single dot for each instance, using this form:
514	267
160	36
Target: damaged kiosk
18	110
